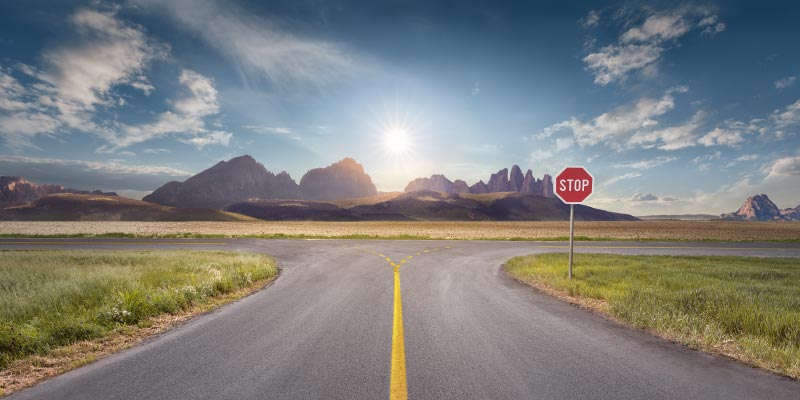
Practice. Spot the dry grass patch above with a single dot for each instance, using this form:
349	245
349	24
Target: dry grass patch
483	230
62	309
747	308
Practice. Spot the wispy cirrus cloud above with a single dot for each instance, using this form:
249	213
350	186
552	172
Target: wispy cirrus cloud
273	130
260	46
646	164
643	44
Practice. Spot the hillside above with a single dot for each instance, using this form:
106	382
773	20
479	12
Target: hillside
427	206
83	207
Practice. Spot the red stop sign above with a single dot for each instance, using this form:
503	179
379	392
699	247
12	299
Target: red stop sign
574	185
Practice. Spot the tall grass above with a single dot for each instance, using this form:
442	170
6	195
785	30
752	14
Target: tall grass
54	298
745	307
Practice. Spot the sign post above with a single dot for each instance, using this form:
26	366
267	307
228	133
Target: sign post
573	186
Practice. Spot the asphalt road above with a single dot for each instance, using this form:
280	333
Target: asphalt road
324	329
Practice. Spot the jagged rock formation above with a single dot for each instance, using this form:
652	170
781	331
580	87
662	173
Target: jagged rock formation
341	180
761	208
15	189
460	186
227	182
436	183
498	182
515	180
479	188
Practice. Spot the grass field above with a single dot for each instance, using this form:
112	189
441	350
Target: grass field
744	307
484	230
51	299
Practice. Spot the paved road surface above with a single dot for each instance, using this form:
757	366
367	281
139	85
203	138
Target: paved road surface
326	329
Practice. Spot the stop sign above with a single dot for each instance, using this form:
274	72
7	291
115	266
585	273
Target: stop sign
574	185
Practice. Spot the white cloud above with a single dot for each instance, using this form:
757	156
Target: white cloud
788	116
155	151
109	53
722	137
79	78
646	164
645	43
273	130
616	179
788	166
97	166
186	119
614	62
650	198
259	46
673	137
564	143
632	125
591	20
785	82
747	157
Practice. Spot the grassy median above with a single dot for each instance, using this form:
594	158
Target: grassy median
743	307
52	299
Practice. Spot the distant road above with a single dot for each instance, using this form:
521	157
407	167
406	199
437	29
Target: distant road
327	329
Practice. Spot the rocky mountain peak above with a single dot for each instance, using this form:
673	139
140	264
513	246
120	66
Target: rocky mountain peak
761	208
340	180
498	182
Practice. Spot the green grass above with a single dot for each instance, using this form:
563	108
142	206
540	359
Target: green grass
744	307
121	235
55	298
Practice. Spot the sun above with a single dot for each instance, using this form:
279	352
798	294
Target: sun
396	140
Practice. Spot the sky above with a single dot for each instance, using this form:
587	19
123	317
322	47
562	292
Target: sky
674	107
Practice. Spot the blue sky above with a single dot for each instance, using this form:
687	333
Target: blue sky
674	108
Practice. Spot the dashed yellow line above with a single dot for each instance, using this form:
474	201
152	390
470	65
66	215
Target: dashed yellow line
398	389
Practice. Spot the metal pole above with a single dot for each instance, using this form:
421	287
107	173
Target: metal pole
571	236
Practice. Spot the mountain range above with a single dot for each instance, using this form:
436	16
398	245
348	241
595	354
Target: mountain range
498	182
761	208
427	206
242	178
15	189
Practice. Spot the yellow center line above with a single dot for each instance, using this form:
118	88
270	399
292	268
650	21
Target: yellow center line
673	247
115	243
398	389
397	386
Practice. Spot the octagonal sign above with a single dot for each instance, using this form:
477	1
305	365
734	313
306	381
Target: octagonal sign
574	185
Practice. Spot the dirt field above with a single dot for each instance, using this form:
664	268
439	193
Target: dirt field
644	230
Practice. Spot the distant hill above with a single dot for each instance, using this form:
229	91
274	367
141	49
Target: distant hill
242	178
90	207
427	206
16	189
761	208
